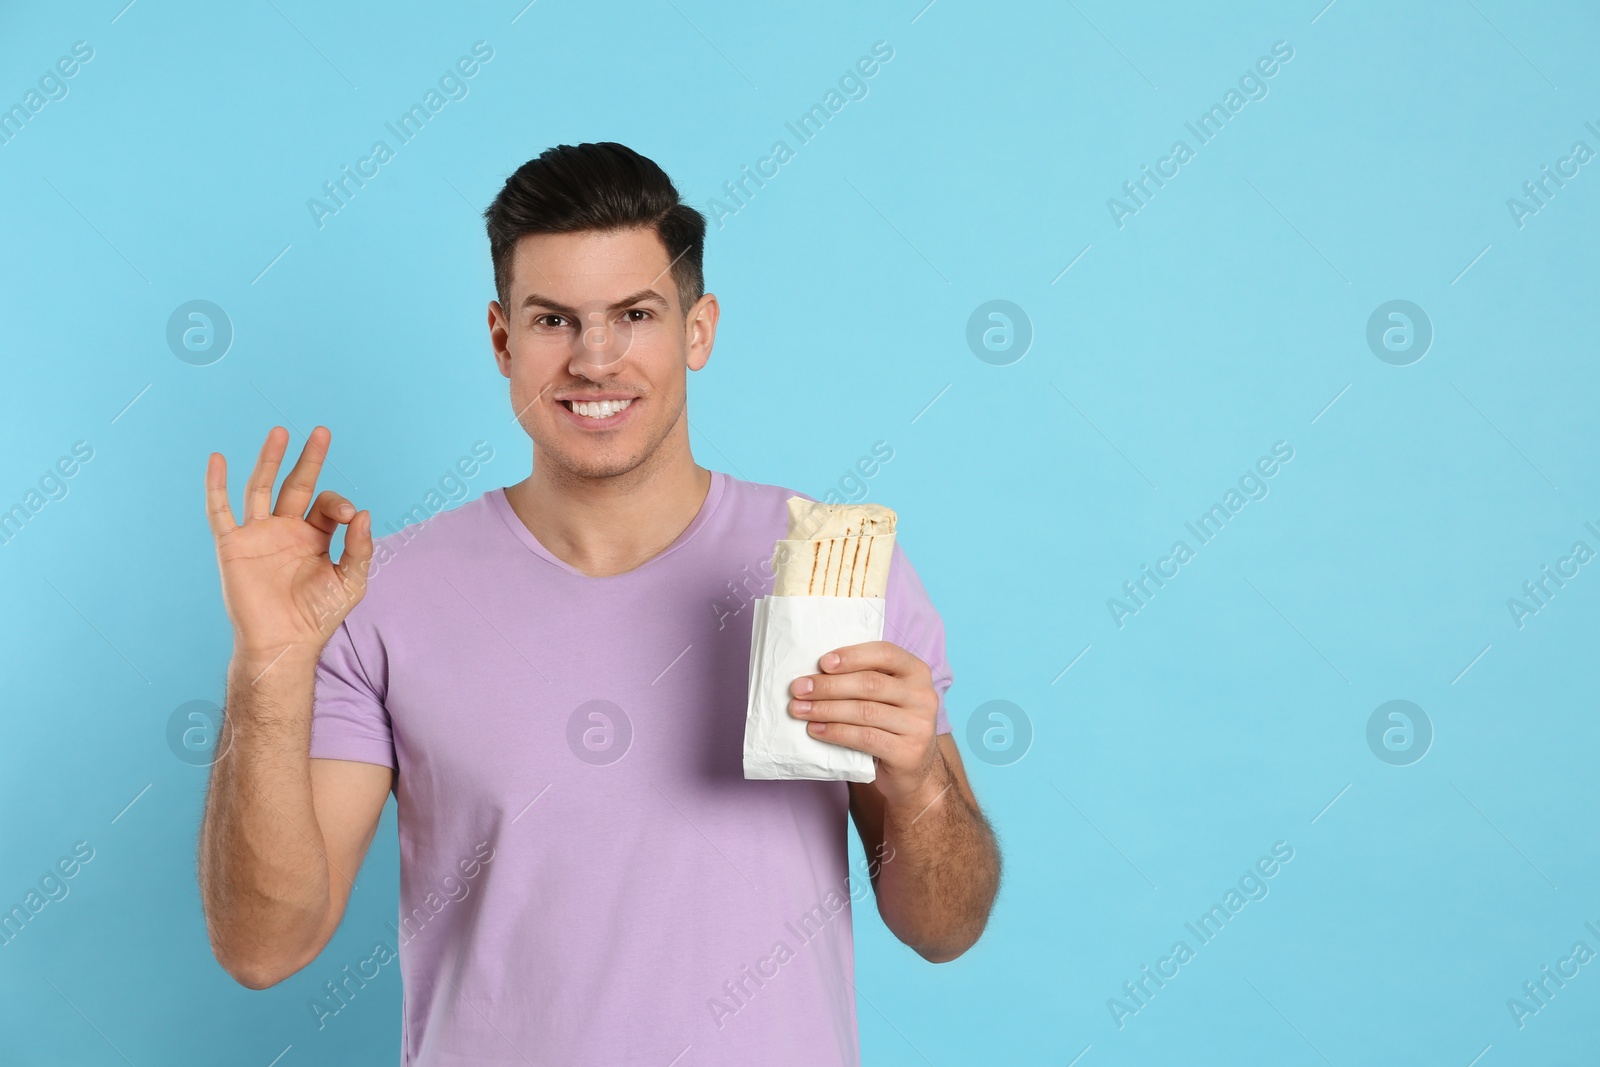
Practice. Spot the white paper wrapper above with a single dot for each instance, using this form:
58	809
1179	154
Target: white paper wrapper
789	636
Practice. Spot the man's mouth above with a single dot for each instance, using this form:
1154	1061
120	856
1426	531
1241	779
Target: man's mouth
596	409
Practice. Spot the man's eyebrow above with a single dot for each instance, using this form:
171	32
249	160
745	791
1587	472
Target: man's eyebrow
643	296
536	300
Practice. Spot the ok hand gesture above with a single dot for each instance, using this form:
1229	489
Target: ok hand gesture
282	590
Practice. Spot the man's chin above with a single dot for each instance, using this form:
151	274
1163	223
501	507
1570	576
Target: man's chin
590	467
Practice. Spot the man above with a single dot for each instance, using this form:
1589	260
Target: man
552	678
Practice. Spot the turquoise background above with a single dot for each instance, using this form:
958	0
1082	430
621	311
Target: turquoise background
1229	313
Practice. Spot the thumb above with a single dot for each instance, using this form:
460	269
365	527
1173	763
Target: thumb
357	554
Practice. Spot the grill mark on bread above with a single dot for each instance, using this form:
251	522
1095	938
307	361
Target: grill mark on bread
814	522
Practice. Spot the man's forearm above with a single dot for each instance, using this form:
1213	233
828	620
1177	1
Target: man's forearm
940	872
263	869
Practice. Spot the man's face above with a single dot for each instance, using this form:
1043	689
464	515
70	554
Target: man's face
596	347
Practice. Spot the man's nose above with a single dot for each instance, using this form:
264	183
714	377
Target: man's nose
595	335
598	345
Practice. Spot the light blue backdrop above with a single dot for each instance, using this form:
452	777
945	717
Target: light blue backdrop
1175	340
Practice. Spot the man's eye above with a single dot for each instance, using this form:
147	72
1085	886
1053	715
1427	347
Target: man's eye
641	312
555	322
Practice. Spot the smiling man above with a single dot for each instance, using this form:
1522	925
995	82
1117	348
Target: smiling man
549	681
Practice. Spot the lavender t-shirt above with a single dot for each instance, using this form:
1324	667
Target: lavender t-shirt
586	877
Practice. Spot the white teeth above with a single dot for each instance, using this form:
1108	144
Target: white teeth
599	409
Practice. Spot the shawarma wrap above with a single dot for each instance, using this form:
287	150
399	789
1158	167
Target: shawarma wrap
834	550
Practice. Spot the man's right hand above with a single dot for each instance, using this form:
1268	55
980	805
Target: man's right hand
283	834
282	590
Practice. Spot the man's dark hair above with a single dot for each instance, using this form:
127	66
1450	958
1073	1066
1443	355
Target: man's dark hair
602	186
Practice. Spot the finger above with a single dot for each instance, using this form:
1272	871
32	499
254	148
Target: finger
885	656
861	738
258	491
858	685
329	511
302	479
357	552
218	513
889	718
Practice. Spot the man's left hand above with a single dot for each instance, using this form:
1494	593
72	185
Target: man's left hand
877	698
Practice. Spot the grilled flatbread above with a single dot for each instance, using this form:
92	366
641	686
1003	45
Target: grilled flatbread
834	550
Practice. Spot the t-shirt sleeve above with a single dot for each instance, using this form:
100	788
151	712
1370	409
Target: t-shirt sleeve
911	622
348	719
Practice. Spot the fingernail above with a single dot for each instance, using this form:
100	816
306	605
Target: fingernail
802	687
817	727
802	706
830	661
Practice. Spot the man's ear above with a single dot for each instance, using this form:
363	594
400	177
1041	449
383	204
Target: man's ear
701	328
499	337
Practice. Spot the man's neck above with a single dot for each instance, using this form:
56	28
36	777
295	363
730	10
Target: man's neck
606	526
